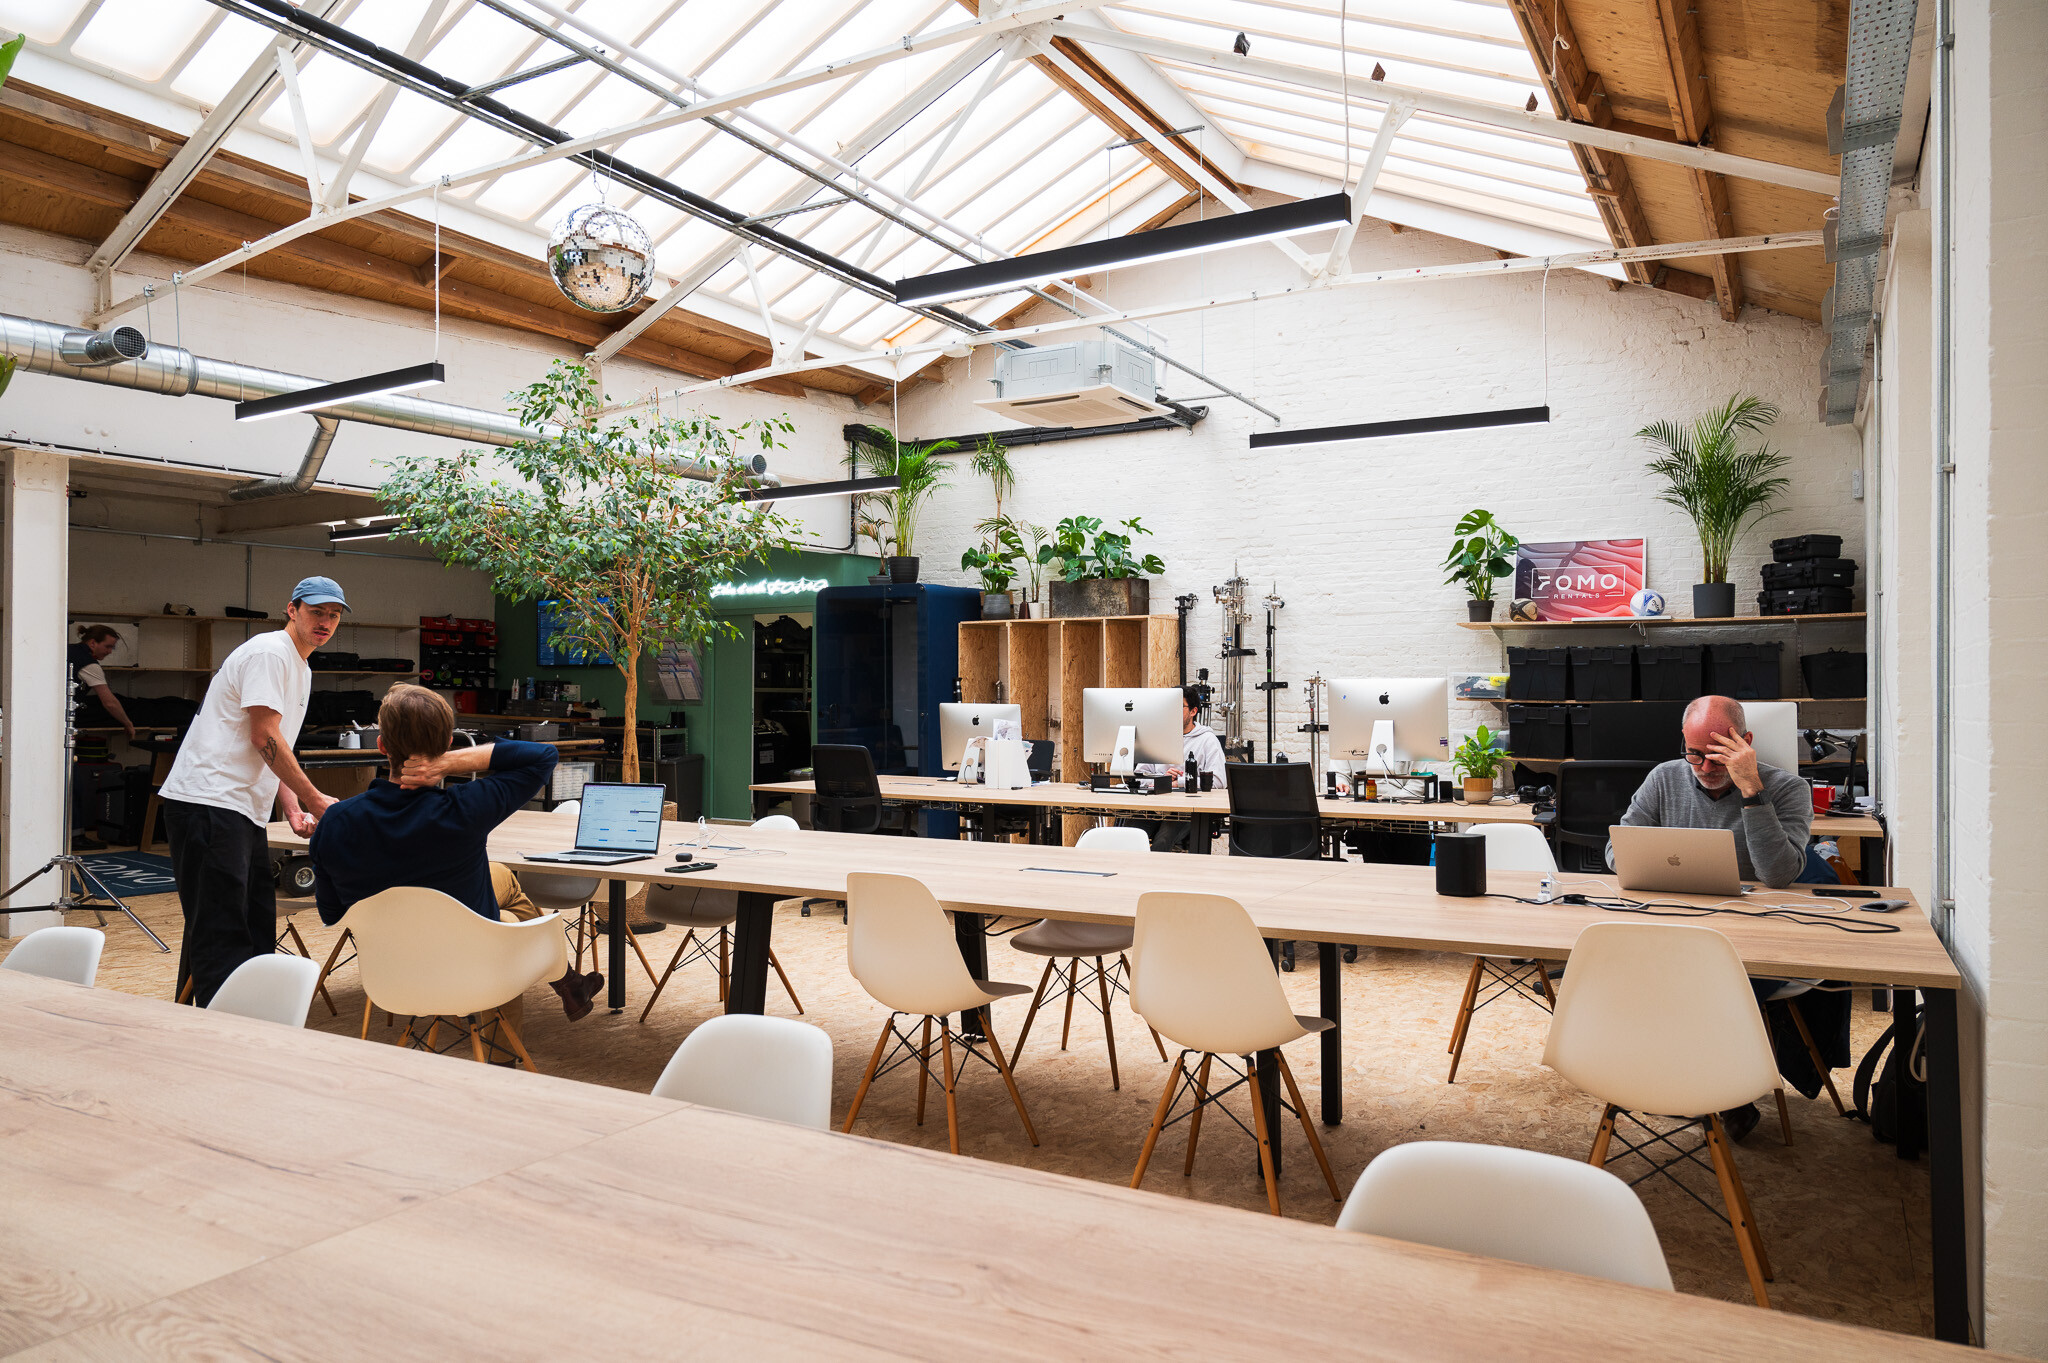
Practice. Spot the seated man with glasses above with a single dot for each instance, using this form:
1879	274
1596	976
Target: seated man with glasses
1720	784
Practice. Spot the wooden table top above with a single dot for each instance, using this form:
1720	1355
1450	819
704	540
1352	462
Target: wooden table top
1173	805
182	1183
1363	903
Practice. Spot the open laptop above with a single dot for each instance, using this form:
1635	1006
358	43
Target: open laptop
1676	860
616	823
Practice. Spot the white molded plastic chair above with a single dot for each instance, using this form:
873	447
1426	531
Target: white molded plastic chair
902	950
286	907
426	955
701	913
1066	945
779	822
1202	977
59	953
766	1067
1660	1018
575	898
1510	1204
276	988
1509	847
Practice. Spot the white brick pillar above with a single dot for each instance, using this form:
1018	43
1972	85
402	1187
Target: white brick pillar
34	570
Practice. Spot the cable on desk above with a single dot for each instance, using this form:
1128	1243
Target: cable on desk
1672	909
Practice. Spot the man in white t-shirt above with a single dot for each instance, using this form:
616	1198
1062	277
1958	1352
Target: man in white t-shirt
235	761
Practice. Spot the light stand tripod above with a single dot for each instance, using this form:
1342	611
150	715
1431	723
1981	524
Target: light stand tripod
67	863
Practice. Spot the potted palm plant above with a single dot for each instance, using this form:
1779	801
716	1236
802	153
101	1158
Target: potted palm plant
996	561
1479	760
1722	486
891	517
1481	552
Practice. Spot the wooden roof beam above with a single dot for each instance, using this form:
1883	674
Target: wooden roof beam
1692	117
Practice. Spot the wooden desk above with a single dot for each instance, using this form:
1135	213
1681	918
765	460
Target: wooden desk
182	1183
1330	903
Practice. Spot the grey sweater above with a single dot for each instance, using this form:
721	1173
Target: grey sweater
1770	838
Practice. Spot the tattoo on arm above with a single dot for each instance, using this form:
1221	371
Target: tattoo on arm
269	751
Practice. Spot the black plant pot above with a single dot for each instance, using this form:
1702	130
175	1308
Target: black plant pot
1479	612
1713	600
904	570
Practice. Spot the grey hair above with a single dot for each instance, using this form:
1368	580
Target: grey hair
1726	706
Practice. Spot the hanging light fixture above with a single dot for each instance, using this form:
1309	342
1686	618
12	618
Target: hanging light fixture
845	488
373	530
330	394
1137	248
601	259
1368	430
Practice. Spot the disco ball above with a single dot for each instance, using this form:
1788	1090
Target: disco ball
1646	604
601	259
1522	608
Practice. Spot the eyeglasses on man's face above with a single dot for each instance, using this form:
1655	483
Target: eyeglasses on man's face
1696	758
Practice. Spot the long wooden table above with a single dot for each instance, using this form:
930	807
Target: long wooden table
182	1184
1333	904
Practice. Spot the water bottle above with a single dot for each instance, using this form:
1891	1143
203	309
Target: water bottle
703	837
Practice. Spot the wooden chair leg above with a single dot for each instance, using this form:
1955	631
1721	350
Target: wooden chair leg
347	936
1598	1159
1784	1115
1308	1128
946	1079
787	987
433	1027
1457	1046
476	1043
511	1034
406	1039
924	1063
1073	979
1187	1168
1037	997
1820	1065
1265	1137
1737	1203
185	994
689	936
641	952
1108	1024
1159	1117
1009	1080
1549	991
724	966
367	1006
1126	961
869	1077
320	982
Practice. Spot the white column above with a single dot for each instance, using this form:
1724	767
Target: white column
34	571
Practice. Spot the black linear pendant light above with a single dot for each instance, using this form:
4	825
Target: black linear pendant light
1367	430
843	488
328	394
1162	243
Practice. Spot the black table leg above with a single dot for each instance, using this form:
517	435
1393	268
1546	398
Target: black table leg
615	931
970	930
1329	956
1945	1164
1268	1097
1201	834
748	991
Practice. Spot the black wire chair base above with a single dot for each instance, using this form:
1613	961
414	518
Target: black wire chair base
895	1048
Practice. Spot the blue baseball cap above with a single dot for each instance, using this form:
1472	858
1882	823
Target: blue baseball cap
319	591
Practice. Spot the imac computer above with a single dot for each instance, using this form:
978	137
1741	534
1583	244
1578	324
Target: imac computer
1774	732
960	724
1154	712
1388	724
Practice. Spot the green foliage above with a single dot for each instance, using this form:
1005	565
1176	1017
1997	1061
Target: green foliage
1707	475
1083	550
6	372
1481	755
8	52
596	518
1480	552
992	461
890	518
997	558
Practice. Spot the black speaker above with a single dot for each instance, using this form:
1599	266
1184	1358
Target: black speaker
1461	865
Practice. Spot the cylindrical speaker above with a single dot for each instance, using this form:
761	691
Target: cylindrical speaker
1461	864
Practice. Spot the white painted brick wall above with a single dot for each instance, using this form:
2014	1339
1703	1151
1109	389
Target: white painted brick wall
1353	533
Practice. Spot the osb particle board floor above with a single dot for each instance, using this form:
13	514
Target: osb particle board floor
1844	1219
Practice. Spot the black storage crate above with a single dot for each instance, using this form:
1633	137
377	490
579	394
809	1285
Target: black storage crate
1745	671
1836	674
1671	671
1806	546
1810	572
1603	673
1806	601
1539	674
1536	731
1645	731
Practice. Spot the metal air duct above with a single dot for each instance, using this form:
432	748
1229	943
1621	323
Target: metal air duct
90	349
308	472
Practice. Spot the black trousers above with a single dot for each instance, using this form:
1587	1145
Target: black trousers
222	865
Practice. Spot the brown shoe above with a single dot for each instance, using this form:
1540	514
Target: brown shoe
576	992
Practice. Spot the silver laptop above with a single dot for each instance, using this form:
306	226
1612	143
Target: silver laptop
616	823
1676	860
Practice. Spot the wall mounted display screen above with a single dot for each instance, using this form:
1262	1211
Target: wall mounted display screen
1580	579
554	651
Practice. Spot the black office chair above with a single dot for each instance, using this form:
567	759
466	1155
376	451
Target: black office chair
1591	798
1273	813
848	797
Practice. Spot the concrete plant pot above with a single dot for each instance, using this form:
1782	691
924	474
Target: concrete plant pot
1095	596
1479	790
998	606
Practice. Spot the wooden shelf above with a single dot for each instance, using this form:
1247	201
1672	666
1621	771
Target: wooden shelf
116	667
135	618
1630	622
1797	700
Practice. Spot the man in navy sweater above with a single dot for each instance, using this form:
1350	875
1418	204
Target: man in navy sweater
416	831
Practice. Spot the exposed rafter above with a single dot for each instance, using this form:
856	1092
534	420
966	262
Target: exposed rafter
1692	117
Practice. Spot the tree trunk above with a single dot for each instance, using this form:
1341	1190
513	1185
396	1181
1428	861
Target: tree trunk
629	739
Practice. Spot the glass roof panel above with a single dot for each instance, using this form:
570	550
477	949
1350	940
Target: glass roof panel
143	37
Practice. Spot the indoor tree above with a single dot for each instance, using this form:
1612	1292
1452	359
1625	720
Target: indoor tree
597	518
1709	476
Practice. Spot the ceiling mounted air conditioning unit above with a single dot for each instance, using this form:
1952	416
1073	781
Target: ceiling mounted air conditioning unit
1082	383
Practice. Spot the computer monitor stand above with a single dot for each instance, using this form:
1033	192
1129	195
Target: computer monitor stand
1381	760
1123	758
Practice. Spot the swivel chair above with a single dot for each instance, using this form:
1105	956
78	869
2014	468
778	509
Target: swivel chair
1273	813
1591	798
848	795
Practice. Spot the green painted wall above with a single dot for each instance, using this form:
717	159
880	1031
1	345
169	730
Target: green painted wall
721	726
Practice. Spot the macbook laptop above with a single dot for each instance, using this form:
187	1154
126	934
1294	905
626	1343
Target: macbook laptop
1676	860
617	823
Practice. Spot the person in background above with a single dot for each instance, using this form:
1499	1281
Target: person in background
235	763
417	831
95	642
1204	752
